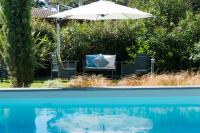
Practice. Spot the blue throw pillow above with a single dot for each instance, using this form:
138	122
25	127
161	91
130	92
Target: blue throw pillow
89	60
100	61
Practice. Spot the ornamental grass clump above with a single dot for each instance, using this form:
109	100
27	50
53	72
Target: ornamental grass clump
131	80
185	78
54	84
89	81
171	79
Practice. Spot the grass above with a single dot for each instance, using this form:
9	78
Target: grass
172	79
89	81
185	78
5	84
35	84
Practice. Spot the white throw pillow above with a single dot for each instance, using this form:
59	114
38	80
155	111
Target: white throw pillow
111	59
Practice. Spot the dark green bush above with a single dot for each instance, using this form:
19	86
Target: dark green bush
171	35
109	37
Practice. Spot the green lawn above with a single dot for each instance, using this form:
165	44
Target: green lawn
4	84
38	83
35	84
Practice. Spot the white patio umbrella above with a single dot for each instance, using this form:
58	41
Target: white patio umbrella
101	10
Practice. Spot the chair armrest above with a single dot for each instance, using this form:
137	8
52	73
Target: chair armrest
70	61
70	64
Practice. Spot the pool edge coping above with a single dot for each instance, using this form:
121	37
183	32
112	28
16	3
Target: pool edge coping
100	88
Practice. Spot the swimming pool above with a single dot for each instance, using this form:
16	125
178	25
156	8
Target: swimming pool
100	111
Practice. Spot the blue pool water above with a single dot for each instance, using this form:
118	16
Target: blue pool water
100	115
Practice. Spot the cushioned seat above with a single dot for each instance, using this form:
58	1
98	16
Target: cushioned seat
142	64
101	62
109	68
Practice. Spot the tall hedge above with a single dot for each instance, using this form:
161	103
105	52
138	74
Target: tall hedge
18	51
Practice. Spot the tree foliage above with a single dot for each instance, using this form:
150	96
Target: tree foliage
108	37
75	3
39	3
43	40
171	35
3	35
43	36
18	51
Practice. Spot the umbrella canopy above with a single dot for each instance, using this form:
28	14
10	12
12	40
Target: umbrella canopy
102	10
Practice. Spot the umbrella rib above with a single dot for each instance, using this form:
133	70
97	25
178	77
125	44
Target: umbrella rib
126	16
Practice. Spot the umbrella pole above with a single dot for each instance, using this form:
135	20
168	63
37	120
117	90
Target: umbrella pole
58	20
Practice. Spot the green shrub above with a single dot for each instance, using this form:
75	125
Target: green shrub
170	36
196	53
108	37
43	34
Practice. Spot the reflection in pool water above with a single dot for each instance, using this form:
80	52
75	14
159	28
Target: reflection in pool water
127	119
120	123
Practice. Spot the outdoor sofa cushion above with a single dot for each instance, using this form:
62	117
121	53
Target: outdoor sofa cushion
111	59
100	61
89	60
